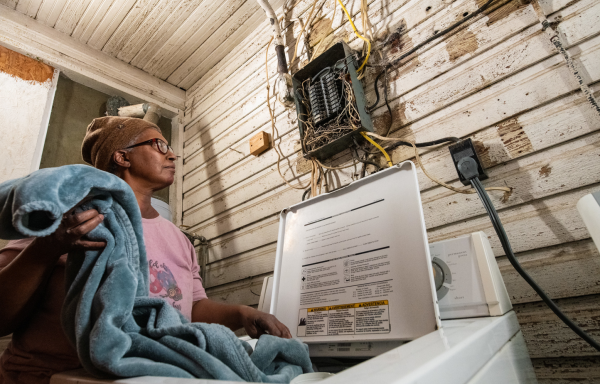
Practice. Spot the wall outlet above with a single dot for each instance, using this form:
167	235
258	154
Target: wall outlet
462	149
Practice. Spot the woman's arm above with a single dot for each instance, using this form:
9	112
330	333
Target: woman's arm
235	317
24	279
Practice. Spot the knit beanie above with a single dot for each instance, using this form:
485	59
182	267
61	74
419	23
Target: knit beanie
105	135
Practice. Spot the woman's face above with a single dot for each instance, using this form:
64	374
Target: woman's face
148	165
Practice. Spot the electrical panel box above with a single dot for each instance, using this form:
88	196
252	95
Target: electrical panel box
330	103
353	267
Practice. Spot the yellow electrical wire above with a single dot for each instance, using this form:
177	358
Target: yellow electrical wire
387	157
507	190
359	36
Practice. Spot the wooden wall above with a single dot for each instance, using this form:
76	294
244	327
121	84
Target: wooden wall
498	80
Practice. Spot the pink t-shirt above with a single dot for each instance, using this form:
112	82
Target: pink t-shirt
40	349
171	258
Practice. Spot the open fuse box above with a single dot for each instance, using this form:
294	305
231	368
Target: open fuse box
330	103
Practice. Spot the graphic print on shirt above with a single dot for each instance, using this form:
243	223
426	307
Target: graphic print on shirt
162	283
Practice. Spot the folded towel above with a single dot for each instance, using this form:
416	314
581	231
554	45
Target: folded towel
115	327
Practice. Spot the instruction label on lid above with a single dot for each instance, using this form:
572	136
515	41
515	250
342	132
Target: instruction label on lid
354	265
348	319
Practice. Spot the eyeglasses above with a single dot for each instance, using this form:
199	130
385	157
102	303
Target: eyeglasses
157	144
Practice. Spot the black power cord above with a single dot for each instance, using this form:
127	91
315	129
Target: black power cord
440	34
468	167
450	139
416	48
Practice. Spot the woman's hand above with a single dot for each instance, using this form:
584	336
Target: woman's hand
234	317
258	323
71	232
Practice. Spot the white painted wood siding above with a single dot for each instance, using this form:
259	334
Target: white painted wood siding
498	80
175	40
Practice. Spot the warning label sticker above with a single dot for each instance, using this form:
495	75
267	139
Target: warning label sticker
346	319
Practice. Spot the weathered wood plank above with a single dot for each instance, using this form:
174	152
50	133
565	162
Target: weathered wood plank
537	224
219	163
225	98
50	11
253	263
557	170
418	15
563	119
565	270
90	20
253	46
29	7
175	22
132	22
12	4
207	21
519	92
70	15
562	370
430	94
576	20
255	184
199	63
547	337
525	176
148	31
83	64
109	22
216	121
194	30
246	292
491	35
529	177
242	170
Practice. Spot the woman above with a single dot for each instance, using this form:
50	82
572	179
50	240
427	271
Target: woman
32	270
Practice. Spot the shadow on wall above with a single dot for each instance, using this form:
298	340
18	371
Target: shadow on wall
75	106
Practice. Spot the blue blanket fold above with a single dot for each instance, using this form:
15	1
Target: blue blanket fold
116	328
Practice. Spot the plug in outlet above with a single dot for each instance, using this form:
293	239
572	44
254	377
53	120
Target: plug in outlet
464	149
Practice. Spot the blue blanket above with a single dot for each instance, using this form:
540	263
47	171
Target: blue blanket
116	328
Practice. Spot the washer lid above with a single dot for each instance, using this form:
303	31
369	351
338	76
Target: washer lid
354	264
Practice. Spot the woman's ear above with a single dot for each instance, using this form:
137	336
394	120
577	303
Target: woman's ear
121	159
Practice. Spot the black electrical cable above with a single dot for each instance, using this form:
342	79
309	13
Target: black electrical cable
439	34
489	206
419	46
306	193
365	161
450	139
387	104
376	92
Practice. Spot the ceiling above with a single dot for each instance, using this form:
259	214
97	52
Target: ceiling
175	40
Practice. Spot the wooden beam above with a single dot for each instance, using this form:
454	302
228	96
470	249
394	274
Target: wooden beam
84	64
